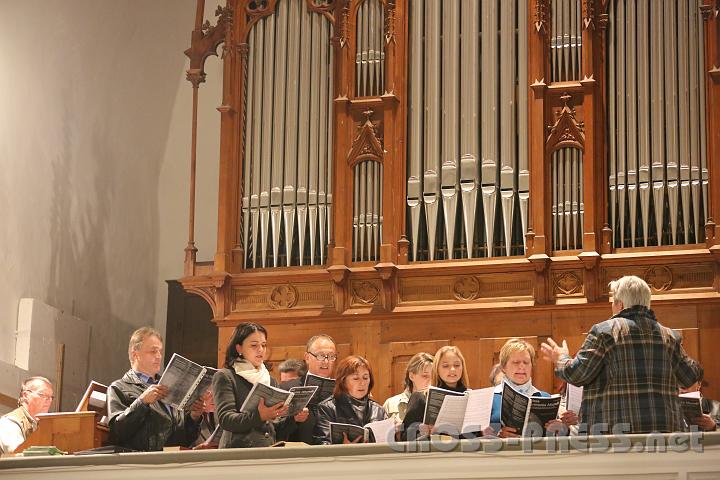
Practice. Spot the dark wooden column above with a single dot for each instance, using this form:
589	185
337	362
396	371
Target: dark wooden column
540	221
394	122
340	253
594	157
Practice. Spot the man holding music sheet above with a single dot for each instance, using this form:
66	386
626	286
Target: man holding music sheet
630	367
320	357
138	417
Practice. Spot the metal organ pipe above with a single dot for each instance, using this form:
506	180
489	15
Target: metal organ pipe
655	67
460	93
288	135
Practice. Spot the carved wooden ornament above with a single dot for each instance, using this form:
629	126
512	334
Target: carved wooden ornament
367	145
466	288
568	283
566	132
365	292
283	296
659	278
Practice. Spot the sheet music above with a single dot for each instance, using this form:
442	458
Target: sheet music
452	411
691	404
574	398
478	409
186	381
434	401
270	395
352	431
382	430
301	397
515	408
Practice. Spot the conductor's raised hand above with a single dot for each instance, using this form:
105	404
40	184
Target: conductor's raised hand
552	351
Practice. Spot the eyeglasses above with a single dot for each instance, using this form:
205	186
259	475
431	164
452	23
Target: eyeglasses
324	357
44	396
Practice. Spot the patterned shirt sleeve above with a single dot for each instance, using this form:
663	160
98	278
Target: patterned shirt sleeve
687	370
586	365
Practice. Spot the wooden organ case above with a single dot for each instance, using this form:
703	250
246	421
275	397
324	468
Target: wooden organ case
406	174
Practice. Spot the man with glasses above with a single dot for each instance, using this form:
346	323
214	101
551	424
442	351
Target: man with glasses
320	357
36	396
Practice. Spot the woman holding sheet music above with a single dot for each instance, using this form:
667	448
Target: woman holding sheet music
517	358
244	367
350	403
449	373
418	376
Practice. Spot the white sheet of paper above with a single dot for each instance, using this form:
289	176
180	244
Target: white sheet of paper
479	407
452	411
574	398
382	429
695	394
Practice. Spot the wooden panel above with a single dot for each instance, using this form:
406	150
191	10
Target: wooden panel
675	316
491	324
709	331
400	354
664	278
281	297
691	341
69	431
466	288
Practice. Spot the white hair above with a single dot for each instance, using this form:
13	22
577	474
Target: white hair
630	290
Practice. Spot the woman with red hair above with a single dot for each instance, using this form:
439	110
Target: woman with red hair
351	402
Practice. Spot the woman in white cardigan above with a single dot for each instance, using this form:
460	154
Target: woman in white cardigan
417	379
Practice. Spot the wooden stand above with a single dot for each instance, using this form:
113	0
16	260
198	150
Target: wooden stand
68	431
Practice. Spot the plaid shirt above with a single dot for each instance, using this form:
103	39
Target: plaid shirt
631	367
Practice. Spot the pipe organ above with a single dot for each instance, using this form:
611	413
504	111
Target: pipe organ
658	173
566	41
407	174
467	156
287	198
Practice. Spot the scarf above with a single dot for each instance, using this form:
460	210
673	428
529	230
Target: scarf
526	388
459	387
253	375
359	407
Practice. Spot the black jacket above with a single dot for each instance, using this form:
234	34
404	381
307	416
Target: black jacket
339	410
139	426
416	408
242	429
